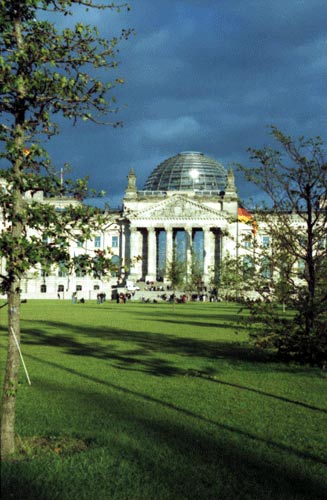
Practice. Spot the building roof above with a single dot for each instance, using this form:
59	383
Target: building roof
187	171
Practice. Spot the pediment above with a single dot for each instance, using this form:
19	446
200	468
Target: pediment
178	208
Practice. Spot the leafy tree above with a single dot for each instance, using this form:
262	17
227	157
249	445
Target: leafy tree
176	273
194	281
45	74
295	183
228	281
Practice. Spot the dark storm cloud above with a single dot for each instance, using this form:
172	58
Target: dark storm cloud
207	76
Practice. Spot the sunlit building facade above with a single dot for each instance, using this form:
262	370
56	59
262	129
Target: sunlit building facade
187	210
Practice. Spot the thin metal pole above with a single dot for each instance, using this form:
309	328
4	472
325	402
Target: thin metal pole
21	355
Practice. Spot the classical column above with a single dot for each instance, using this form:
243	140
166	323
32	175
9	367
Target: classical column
218	247
217	250
134	252
122	249
208	261
169	246
152	254
188	231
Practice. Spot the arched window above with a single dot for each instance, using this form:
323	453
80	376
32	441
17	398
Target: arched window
115	261
248	266
265	268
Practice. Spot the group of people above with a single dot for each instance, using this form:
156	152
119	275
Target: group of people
166	298
74	299
122	298
151	287
182	299
101	297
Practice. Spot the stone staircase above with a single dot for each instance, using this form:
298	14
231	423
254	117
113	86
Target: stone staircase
152	291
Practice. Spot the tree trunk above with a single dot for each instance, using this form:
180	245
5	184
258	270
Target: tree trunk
13	357
11	374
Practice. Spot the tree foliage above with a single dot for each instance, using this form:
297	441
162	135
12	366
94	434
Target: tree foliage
228	281
295	182
45	74
194	280
176	273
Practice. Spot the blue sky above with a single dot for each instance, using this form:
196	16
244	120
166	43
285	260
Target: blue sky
204	75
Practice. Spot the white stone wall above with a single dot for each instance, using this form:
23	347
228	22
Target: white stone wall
176	210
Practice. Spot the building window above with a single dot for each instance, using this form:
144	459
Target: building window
265	268
96	287
80	273
62	271
97	242
248	267
115	261
114	242
97	268
265	240
61	288
247	240
43	288
78	288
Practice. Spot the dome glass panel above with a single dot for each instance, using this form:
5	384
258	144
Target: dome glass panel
187	171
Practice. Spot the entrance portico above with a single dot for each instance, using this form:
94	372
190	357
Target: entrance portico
157	237
187	211
153	249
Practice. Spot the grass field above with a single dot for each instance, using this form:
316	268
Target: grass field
161	403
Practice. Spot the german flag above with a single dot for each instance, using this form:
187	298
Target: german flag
243	215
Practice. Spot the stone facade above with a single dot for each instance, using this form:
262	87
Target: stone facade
151	227
150	214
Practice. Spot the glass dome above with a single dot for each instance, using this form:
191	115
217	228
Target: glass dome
187	171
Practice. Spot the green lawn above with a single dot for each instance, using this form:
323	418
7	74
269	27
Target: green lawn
168	402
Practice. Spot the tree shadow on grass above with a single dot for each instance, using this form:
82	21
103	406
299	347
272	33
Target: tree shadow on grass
145	358
132	349
147	352
180	451
126	346
211	318
189	413
201	324
258	391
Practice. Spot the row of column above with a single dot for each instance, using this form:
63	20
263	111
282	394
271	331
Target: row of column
148	270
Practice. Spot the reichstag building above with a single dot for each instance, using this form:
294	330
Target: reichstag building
187	205
187	208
